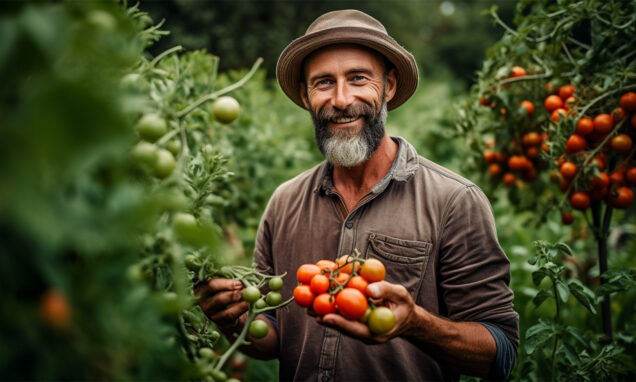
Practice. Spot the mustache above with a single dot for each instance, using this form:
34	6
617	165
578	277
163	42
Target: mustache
329	113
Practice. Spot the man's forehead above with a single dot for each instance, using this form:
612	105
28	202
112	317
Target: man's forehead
346	51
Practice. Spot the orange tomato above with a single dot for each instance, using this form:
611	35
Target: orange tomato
568	170
359	283
326	265
529	106
303	295
319	284
622	143
553	102
345	263
494	169
323	304
574	144
55	309
585	126
373	270
603	123
558	113
566	91
509	179
306	272
351	303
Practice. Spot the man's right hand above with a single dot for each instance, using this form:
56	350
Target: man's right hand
221	301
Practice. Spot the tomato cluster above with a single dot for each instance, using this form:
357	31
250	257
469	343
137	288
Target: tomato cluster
341	287
597	163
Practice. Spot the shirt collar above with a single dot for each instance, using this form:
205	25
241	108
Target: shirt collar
403	168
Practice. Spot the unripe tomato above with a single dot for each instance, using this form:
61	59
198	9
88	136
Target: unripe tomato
184	224
622	143
275	283
621	198
207	353
251	294
306	272
323	304
603	124
258	329
553	102
580	200
151	127
174	146
351	303
164	164
381	320
567	218
628	101
303	295
55	310
273	298
373	270
225	109
144	153
585	126
574	144
260	304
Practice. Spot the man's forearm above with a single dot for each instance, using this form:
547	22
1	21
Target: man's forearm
467	345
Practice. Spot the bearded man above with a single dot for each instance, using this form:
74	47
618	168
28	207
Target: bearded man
446	275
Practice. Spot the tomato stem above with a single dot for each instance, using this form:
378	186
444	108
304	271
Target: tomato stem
154	62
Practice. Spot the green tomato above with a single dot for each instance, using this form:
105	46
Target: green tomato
144	153
365	317
251	294
174	146
151	127
381	320
184	224
258	329
275	283
273	298
260	304
225	109
207	353
164	164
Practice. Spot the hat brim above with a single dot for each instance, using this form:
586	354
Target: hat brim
289	66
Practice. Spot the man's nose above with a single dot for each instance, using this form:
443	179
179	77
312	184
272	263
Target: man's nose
343	96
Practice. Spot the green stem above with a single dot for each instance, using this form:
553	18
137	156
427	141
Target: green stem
154	62
214	95
554	349
240	340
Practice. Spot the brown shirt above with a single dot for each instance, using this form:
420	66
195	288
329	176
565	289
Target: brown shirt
435	233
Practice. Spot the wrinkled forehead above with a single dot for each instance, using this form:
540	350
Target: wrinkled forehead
340	50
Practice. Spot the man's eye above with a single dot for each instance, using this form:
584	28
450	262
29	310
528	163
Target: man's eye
358	78
322	83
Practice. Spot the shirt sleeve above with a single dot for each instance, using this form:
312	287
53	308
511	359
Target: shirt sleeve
506	354
474	271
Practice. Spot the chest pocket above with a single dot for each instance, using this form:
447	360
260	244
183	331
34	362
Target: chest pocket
405	260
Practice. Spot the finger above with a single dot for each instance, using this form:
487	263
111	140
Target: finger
387	291
229	317
219	301
216	285
353	328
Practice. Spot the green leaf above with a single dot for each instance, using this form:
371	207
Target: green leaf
562	290
541	297
539	275
583	294
563	248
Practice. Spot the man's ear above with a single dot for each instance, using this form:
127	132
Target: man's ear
391	84
303	95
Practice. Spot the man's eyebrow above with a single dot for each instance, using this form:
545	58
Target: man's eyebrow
349	72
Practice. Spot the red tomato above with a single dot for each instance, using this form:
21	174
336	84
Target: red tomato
529	106
509	179
628	101
323	304
585	126
494	169
531	139
580	200
621	198
630	176
351	303
622	143
319	284
303	295
306	272
359	283
373	270
567	218
566	91
600	182
603	123
558	113
553	102
568	170
574	144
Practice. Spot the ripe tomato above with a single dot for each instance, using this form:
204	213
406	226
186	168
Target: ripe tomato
251	294
603	123
381	320
341	279
531	139
151	127
306	272
373	270
621	198
569	103
55	310
359	283
598	193
529	106
517	71
628	101
518	163
485	102
622	143
275	283
618	114
585	126
566	91
580	200
567	218
600	161
351	303
319	284
348	260
326	265
258	329
490	156
630	176
600	182
509	179
553	102
568	170
532	152
558	113
633	121
323	304
164	164
494	169
303	295
574	144
225	109
618	176
273	298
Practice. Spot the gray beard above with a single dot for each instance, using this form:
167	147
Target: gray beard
344	147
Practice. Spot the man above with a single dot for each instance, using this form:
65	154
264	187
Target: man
447	277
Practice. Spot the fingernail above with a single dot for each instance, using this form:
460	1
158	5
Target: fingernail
373	290
238	285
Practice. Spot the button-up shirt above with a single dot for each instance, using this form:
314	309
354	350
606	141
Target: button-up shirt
435	233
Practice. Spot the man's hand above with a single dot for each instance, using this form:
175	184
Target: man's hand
221	300
394	297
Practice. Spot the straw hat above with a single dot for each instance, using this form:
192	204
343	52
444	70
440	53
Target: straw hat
340	27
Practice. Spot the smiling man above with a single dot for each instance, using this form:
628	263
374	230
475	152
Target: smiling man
446	275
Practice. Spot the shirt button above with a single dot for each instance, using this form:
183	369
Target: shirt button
325	378
349	224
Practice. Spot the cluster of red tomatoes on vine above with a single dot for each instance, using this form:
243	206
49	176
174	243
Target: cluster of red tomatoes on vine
341	287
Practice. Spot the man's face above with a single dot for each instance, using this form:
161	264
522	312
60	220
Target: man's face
346	93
